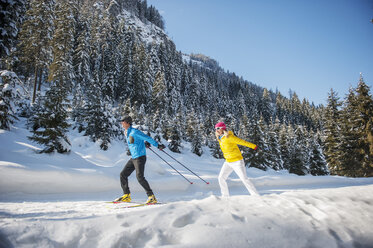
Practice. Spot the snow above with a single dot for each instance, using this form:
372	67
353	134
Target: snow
149	33
61	201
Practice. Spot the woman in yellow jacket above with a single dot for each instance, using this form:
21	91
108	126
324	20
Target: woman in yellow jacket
233	159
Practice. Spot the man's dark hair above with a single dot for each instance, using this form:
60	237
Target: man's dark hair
127	119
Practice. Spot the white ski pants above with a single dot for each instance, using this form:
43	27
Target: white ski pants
239	168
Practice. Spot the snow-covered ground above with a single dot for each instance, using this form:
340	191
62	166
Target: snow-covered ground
61	201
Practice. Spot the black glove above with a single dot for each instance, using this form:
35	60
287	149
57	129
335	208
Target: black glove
161	147
147	144
128	153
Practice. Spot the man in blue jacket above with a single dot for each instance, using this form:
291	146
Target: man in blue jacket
136	141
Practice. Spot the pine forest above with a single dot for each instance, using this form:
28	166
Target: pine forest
84	64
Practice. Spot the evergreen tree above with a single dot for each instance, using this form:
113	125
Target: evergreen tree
159	92
7	98
124	83
350	158
49	123
11	16
194	134
61	69
296	110
284	140
82	69
214	144
259	158
141	76
53	119
266	107
274	153
365	127
332	123
280	111
318	164
196	141
298	154
99	122
175	139
156	125
35	36
244	133
215	149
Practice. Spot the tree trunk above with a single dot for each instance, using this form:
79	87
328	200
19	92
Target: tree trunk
35	83
40	78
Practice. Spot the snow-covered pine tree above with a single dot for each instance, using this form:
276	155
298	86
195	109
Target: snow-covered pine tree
365	127
11	16
196	144
332	123
259	158
350	157
280	112
110	127
157	122
194	133
82	69
274	154
99	120
49	122
318	165
61	69
111	56
125	76
174	142
141	77
243	133
296	110
192	95
214	144
284	141
8	81
53	120
298	155
265	107
34	47
158	99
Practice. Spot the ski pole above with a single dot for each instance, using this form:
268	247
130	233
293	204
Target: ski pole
170	165
184	166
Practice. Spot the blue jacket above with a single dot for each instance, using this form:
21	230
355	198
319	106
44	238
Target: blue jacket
137	148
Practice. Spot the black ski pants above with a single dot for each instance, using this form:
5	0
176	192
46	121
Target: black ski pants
137	164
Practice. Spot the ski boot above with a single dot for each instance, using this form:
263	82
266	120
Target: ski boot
124	198
151	200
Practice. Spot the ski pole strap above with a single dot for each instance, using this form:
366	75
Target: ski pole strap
185	166
170	165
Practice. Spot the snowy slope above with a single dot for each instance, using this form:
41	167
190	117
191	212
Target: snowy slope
60	201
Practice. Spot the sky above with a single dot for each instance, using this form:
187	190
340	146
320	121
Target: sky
305	46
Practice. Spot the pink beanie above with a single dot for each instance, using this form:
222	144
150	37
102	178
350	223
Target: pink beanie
221	125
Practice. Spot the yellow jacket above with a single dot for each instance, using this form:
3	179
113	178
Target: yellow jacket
228	144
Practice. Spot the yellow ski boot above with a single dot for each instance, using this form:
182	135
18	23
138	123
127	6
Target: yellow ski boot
124	198
151	200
